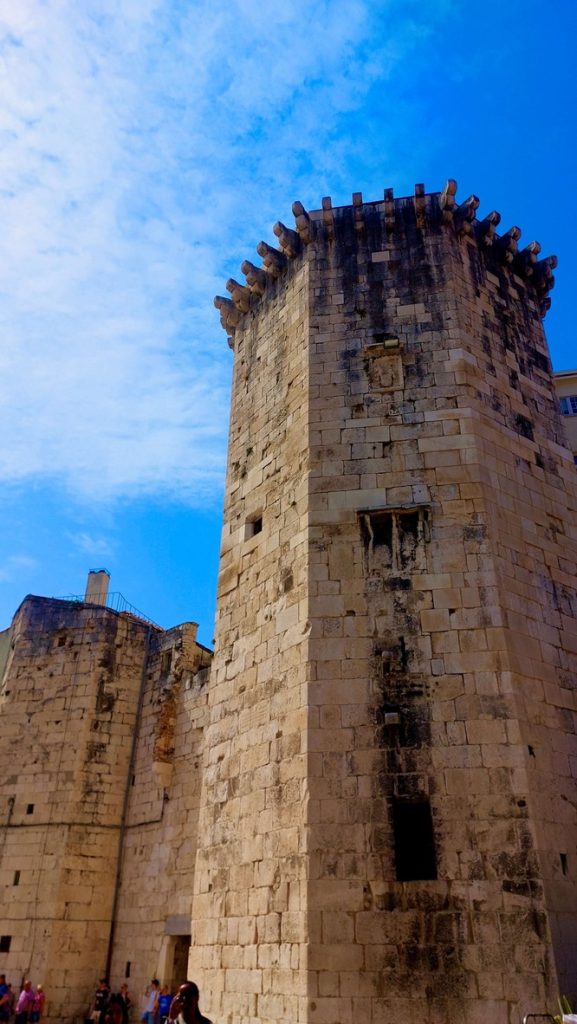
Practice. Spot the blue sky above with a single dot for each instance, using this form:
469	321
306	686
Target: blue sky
146	148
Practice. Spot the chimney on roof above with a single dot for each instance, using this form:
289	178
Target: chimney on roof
97	586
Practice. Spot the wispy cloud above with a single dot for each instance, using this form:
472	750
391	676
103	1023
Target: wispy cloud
17	566
91	545
142	146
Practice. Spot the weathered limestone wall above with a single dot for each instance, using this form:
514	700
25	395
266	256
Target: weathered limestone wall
159	848
435	574
68	707
249	924
444	508
101	716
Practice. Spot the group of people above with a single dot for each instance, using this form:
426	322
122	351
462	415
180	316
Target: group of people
159	1007
28	1008
110	1007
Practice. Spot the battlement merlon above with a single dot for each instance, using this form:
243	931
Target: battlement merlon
317	227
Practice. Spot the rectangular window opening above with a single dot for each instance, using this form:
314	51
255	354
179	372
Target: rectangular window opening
253	527
5	941
569	405
16	878
382	527
30	809
564	865
415	857
127	969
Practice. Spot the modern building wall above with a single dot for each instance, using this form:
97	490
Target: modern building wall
395	430
566	388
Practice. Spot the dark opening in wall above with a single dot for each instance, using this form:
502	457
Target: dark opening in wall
564	865
287	583
127	969
165	662
252	527
30	809
524	427
395	539
61	641
5	941
16	878
415	857
382	526
377	531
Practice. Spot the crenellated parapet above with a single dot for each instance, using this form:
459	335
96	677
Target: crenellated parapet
317	228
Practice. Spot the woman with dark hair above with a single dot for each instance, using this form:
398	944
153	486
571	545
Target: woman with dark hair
116	1011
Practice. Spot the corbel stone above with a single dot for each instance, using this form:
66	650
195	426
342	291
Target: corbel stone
524	262
420	203
328	216
289	240
506	245
543	274
229	314
465	215
240	294
256	278
447	201
274	260
485	229
358	217
389	201
303	223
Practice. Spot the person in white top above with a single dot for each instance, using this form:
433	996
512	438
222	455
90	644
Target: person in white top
151	1002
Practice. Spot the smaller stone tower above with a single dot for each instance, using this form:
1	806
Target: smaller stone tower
389	826
101	716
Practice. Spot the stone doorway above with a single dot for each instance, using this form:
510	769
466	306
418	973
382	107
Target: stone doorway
181	950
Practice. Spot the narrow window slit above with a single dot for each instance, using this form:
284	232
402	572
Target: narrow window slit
415	857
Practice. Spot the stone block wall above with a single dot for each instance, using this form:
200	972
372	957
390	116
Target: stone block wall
101	717
68	710
444	509
249	929
160	837
436	669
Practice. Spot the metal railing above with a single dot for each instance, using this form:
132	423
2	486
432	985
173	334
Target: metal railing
116	602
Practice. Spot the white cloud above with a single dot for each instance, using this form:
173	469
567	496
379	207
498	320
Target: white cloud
91	545
143	145
16	567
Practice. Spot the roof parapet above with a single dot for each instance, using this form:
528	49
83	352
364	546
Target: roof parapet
436	205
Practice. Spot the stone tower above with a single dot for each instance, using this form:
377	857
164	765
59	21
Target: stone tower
388	827
101	716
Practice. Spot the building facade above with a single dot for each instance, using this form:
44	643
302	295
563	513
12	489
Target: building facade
566	386
367	811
